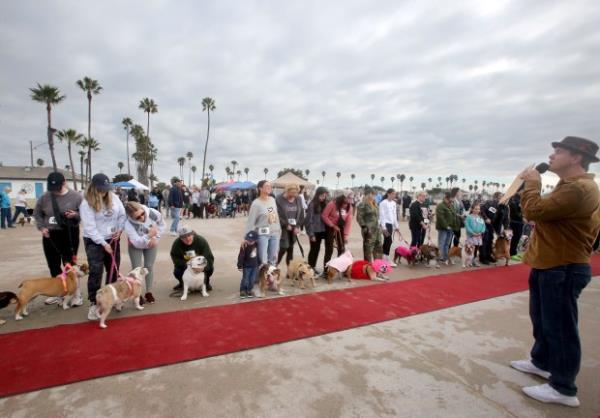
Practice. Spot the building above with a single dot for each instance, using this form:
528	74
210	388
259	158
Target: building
30	179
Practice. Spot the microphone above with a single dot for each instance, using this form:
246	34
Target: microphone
542	168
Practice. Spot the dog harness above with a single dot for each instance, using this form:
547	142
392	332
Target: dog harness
113	291
130	281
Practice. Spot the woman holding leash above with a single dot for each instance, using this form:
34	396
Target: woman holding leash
264	220
337	217
144	227
388	220
103	219
315	227
291	218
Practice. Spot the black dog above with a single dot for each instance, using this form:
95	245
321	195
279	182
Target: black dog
6	298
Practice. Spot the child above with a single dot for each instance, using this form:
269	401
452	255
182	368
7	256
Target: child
248	264
475	227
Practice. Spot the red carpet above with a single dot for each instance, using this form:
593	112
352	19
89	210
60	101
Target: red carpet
42	358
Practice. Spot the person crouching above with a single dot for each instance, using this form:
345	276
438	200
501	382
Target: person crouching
189	245
248	264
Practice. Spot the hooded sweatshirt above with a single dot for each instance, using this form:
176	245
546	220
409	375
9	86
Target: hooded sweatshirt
137	231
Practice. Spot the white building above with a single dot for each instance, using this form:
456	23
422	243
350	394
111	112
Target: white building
30	179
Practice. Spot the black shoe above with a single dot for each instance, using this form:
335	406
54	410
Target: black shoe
486	262
178	287
208	287
142	300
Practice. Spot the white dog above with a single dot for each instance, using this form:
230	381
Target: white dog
468	254
193	277
116	294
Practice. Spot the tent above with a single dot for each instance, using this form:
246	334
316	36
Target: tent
240	185
131	184
291	178
138	185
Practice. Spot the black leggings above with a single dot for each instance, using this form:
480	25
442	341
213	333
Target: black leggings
417	236
315	247
291	239
61	248
387	239
99	260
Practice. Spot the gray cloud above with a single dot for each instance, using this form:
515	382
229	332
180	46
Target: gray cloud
477	89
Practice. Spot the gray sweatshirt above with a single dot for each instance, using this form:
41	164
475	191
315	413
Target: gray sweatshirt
137	232
263	214
44	212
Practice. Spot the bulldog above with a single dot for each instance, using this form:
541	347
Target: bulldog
411	255
336	267
6	298
502	246
269	277
116	294
65	285
429	252
299	271
193	277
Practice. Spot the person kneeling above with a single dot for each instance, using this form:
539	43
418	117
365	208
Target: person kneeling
189	245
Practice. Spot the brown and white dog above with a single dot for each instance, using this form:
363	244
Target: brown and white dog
6	298
65	284
269	277
502	246
337	267
300	271
429	252
116	294
465	253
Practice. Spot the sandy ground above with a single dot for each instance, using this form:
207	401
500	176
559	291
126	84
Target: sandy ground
449	363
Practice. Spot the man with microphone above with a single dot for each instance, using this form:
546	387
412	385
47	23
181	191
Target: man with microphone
567	222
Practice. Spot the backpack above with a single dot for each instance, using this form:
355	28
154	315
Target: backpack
153	201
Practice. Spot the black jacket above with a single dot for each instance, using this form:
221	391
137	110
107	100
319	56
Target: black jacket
416	215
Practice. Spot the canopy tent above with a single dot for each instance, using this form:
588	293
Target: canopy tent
138	185
291	178
131	184
241	185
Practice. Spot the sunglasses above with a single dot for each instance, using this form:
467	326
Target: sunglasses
140	216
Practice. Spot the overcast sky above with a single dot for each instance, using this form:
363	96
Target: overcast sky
479	88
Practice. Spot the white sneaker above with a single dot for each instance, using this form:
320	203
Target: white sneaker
547	394
77	301
394	265
173	234
526	366
53	300
93	313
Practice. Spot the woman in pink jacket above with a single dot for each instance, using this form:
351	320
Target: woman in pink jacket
337	217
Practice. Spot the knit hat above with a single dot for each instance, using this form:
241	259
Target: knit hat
251	236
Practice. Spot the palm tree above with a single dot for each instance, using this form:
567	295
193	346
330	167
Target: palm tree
211	168
470	187
246	171
228	171
90	87
181	162
307	172
148	106
393	179
208	105
193	168
234	163
429	180
382	180
189	156
239	173
338	175
89	145
49	95
40	162
410	180
81	157
72	137
152	179
372	178
266	170
120	165
352	176
423	185
323	174
402	177
126	122
144	152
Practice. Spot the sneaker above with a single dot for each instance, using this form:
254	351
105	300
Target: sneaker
250	295
394	265
547	394
53	300
76	301
526	366
142	300
475	263
149	298
93	313
173	234
243	294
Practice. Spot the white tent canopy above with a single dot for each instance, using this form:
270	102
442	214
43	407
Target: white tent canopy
138	185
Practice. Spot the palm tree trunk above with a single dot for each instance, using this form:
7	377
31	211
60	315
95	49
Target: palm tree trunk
81	164
89	96
206	144
72	166
51	137
148	127
128	167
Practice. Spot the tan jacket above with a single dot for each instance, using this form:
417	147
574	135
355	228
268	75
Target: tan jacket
567	221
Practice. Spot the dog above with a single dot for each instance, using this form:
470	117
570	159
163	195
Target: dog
6	298
411	255
269	277
466	254
502	246
300	271
65	284
117	293
193	277
337	267
429	252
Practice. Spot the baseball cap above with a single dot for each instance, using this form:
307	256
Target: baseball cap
251	236
101	182
55	181
184	230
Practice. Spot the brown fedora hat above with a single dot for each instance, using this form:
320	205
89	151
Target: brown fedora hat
580	145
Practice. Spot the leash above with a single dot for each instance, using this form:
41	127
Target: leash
63	277
338	239
113	265
401	238
299	245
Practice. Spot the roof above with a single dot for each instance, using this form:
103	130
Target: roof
31	173
291	178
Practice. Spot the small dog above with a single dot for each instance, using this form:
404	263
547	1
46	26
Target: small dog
6	298
429	252
65	284
299	271
502	246
410	254
193	277
269	278
116	294
361	270
466	254
336	267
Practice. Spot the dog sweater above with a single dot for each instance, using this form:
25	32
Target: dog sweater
358	270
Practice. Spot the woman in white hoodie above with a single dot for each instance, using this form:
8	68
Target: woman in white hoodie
144	227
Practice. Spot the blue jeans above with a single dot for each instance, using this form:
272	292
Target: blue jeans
553	295
444	241
5	217
248	278
175	215
268	248
19	210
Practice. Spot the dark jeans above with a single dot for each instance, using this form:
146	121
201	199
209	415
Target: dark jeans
178	273
553	297
456	239
315	247
18	211
5	218
248	278
417	236
485	253
98	260
61	248
517	228
330	236
289	250
387	240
